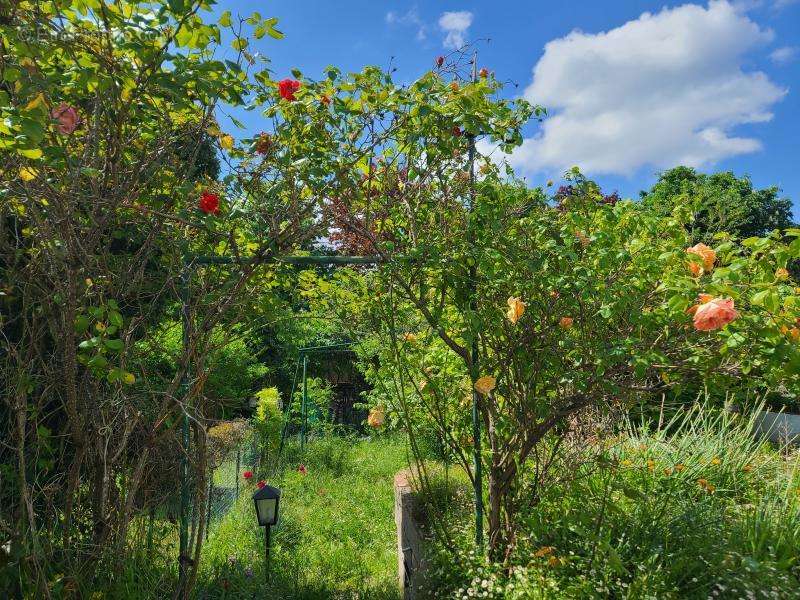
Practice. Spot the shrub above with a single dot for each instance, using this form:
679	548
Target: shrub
697	509
268	422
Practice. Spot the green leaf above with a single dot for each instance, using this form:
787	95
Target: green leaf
768	299
81	323
115	345
98	361
32	153
89	343
115	318
225	19
239	44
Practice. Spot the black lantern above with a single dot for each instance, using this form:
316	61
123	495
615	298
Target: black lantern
267	500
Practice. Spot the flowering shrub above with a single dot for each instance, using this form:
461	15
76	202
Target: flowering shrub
583	306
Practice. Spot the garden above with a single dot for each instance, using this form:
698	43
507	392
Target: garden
591	395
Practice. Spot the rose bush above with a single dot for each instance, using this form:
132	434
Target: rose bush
606	321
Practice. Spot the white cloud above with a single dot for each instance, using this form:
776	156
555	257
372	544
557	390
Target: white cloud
661	90
455	25
411	17
784	54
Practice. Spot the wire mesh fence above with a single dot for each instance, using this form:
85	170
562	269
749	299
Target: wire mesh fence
236	454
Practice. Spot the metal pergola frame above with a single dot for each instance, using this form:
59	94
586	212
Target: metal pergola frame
287	408
189	266
190	263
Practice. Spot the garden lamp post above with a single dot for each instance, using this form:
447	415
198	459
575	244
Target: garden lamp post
267	500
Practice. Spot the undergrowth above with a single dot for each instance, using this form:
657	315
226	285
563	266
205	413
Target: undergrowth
698	509
336	537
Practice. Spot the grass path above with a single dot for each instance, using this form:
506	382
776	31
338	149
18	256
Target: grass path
336	538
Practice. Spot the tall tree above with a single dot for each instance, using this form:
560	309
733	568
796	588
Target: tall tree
722	202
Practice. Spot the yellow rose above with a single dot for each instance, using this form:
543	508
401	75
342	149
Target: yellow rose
376	417
516	308
485	384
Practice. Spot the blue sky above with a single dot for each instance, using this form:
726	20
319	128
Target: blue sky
632	87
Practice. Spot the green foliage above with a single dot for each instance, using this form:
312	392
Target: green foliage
606	288
231	368
268	421
319	396
695	510
720	202
336	537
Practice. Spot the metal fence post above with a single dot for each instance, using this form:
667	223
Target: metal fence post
183	557
304	405
210	489
238	469
473	305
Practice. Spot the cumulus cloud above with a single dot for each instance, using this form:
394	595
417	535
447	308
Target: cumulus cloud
783	55
455	26
661	90
410	17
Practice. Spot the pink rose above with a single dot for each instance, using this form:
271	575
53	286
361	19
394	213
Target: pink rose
67	117
714	314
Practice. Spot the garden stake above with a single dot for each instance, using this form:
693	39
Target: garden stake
266	553
238	469
183	557
287	410
210	487
304	406
473	306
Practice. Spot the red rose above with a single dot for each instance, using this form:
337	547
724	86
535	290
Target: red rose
261	484
439	61
287	88
302	469
247	474
209	203
456	130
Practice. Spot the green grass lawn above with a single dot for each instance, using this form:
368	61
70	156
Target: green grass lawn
336	538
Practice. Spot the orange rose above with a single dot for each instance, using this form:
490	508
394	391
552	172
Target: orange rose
714	314
565	322
516	308
782	274
706	254
376	417
485	384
